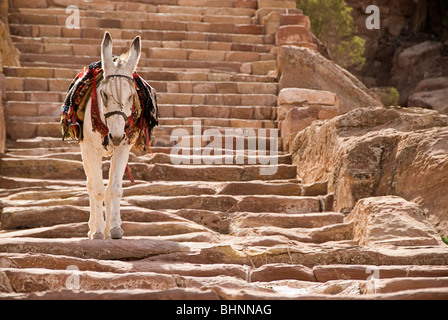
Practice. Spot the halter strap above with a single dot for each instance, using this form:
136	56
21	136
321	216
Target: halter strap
116	113
120	76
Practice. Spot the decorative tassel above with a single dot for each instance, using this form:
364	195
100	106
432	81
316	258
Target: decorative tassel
129	173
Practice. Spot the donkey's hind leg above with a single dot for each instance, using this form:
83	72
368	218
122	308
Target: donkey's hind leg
93	169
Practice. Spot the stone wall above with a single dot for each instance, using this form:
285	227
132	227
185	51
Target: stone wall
9	56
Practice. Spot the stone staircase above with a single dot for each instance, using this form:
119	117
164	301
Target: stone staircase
193	230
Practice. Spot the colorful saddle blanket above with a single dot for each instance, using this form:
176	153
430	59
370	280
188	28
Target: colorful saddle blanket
79	92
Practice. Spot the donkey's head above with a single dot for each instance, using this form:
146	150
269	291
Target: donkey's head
117	89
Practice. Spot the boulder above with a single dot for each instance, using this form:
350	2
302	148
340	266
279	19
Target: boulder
431	93
393	221
378	152
306	96
10	54
306	68
293	35
435	100
298	108
412	55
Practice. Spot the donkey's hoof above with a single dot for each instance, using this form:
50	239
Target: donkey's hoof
98	236
116	233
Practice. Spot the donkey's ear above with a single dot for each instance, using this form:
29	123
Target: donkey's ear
106	52
134	55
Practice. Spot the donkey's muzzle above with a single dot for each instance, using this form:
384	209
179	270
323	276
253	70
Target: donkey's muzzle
116	141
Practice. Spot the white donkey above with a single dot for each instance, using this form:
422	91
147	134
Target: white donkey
115	96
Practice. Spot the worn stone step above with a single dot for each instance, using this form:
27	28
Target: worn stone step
235	99
287	221
44	84
27	111
289	204
330	233
37	127
362	272
150	74
43	60
312	255
35	280
150	6
131	229
219	99
175	13
22	110
83	248
60	169
16	218
84	45
73	153
220	143
60	31
221	203
149	22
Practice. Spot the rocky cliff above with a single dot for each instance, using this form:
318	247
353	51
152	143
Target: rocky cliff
410	46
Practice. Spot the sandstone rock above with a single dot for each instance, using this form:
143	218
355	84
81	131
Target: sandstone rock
391	220
297	119
304	68
414	63
297	96
362	272
293	35
289	4
300	107
295	19
105	249
275	272
315	189
279	204
376	152
2	129
10	55
430	93
271	22
410	56
399	284
188	294
38	280
308	220
432	84
435	100
251	4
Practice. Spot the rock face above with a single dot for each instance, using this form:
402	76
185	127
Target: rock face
408	29
375	152
298	108
305	68
391	220
431	93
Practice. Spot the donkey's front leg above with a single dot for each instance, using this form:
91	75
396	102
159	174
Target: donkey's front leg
93	169
114	192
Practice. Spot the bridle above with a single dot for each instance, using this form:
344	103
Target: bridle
117	112
98	124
